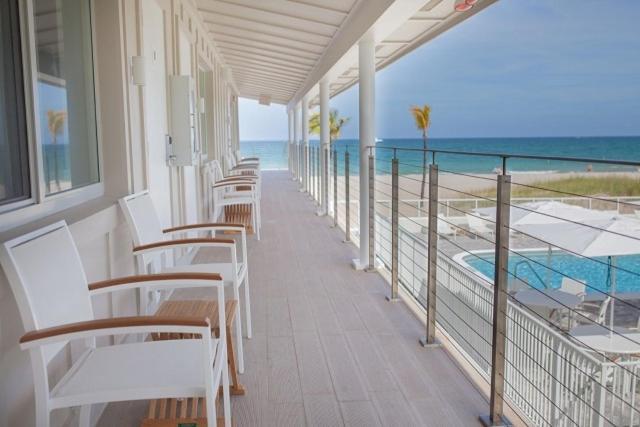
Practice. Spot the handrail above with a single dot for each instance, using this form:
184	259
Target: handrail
506	156
526	262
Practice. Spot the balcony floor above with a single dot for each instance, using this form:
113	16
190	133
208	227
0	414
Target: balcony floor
327	348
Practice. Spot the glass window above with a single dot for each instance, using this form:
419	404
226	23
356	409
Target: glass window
66	98
14	161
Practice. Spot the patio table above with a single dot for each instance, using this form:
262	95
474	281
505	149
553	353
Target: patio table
599	338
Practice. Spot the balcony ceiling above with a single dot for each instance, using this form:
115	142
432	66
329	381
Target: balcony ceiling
272	45
281	48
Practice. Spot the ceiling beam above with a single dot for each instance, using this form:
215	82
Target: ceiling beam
272	29
230	53
268	16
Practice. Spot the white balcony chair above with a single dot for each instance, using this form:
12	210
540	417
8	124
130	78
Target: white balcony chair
54	299
152	246
232	191
214	168
240	159
245	167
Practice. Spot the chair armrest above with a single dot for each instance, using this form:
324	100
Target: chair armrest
115	326
215	226
165	280
243	178
248	166
235	183
181	243
251	159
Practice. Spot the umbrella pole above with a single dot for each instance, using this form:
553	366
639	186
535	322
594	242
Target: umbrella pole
549	258
612	275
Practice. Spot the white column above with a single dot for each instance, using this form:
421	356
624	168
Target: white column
296	136
324	143
367	71
290	158
305	140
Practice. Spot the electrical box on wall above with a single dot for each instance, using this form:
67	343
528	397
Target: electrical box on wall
181	146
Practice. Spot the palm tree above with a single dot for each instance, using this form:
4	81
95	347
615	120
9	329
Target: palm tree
421	115
335	125
55	124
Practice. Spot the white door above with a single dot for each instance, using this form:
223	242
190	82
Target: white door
155	108
190	182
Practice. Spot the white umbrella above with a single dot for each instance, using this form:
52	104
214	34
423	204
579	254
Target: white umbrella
547	212
615	236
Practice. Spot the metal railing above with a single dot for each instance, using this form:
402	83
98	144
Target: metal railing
529	357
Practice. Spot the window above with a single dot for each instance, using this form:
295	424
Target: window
65	95
14	159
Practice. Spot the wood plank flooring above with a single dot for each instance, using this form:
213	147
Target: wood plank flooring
328	350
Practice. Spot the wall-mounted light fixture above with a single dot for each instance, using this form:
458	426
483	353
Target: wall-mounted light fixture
138	71
264	100
463	5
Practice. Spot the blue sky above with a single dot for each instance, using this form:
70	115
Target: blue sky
519	68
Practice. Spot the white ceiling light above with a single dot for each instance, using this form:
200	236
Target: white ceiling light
264	100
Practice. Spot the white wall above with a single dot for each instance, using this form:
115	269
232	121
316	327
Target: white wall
97	225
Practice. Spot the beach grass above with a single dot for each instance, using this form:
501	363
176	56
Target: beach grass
611	186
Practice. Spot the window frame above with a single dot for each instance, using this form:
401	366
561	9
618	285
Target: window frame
39	204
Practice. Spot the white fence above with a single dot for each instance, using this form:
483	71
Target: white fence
548	378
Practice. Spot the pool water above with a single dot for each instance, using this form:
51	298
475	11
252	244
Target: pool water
531	266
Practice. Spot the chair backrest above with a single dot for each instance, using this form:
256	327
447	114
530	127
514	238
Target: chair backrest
145	226
47	278
142	218
602	312
443	226
573	287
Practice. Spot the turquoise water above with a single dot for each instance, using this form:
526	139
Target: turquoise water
274	153
595	273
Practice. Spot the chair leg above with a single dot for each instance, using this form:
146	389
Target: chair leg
85	416
238	326
43	417
247	305
226	395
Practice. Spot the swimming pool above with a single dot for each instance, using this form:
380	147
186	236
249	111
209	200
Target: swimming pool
531	266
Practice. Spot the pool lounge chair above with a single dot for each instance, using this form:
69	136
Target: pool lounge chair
48	281
479	226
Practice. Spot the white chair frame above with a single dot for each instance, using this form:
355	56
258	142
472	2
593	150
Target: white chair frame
46	264
150	247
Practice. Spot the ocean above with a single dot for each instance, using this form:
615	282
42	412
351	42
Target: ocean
273	154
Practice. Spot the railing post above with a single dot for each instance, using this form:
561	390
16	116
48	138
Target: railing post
319	174
432	258
496	416
372	212
335	187
305	176
324	210
395	229
312	191
347	201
